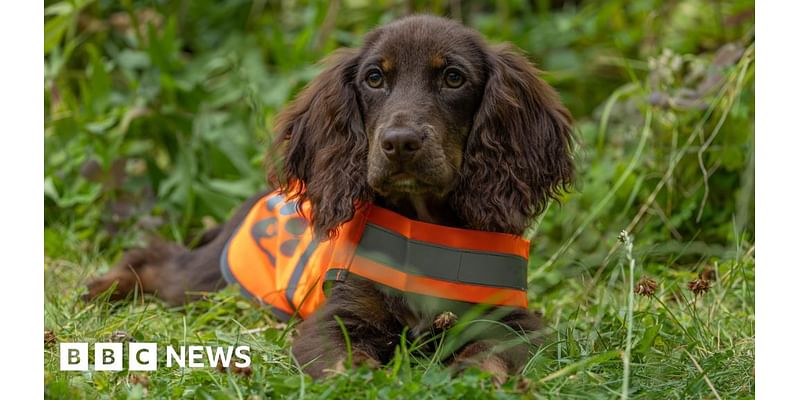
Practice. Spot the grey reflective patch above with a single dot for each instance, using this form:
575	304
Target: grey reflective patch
440	262
491	269
435	262
382	246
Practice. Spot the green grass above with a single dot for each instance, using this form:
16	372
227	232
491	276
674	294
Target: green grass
156	117
683	346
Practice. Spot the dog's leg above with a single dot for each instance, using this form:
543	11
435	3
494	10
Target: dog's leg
139	269
359	310
504	354
170	271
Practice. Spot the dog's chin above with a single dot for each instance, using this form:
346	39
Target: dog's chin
405	185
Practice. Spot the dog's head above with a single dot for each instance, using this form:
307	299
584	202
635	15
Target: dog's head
426	111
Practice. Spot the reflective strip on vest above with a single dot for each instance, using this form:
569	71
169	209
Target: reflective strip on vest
276	260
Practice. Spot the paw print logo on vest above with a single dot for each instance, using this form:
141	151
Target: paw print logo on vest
296	226
288	219
262	231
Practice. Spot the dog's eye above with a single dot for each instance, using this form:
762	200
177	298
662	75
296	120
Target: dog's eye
374	79
453	78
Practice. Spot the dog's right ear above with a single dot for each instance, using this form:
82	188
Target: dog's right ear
324	145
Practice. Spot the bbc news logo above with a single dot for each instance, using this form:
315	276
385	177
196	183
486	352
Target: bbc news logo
144	356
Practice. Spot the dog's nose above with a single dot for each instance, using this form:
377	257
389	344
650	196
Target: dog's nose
400	143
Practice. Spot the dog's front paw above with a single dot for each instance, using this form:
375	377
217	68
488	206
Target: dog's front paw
492	364
98	286
359	359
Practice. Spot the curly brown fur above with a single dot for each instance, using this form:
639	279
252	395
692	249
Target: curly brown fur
375	321
507	131
325	149
518	156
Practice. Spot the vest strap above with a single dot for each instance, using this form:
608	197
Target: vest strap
332	277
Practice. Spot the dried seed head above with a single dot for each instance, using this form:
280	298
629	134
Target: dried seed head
699	286
523	385
445	320
242	371
645	287
139	379
121	337
708	274
49	338
233	369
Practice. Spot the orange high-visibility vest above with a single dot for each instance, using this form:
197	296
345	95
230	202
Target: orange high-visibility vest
276	260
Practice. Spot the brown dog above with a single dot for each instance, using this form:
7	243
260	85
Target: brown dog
426	120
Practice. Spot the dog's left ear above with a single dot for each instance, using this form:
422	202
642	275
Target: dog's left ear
518	155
